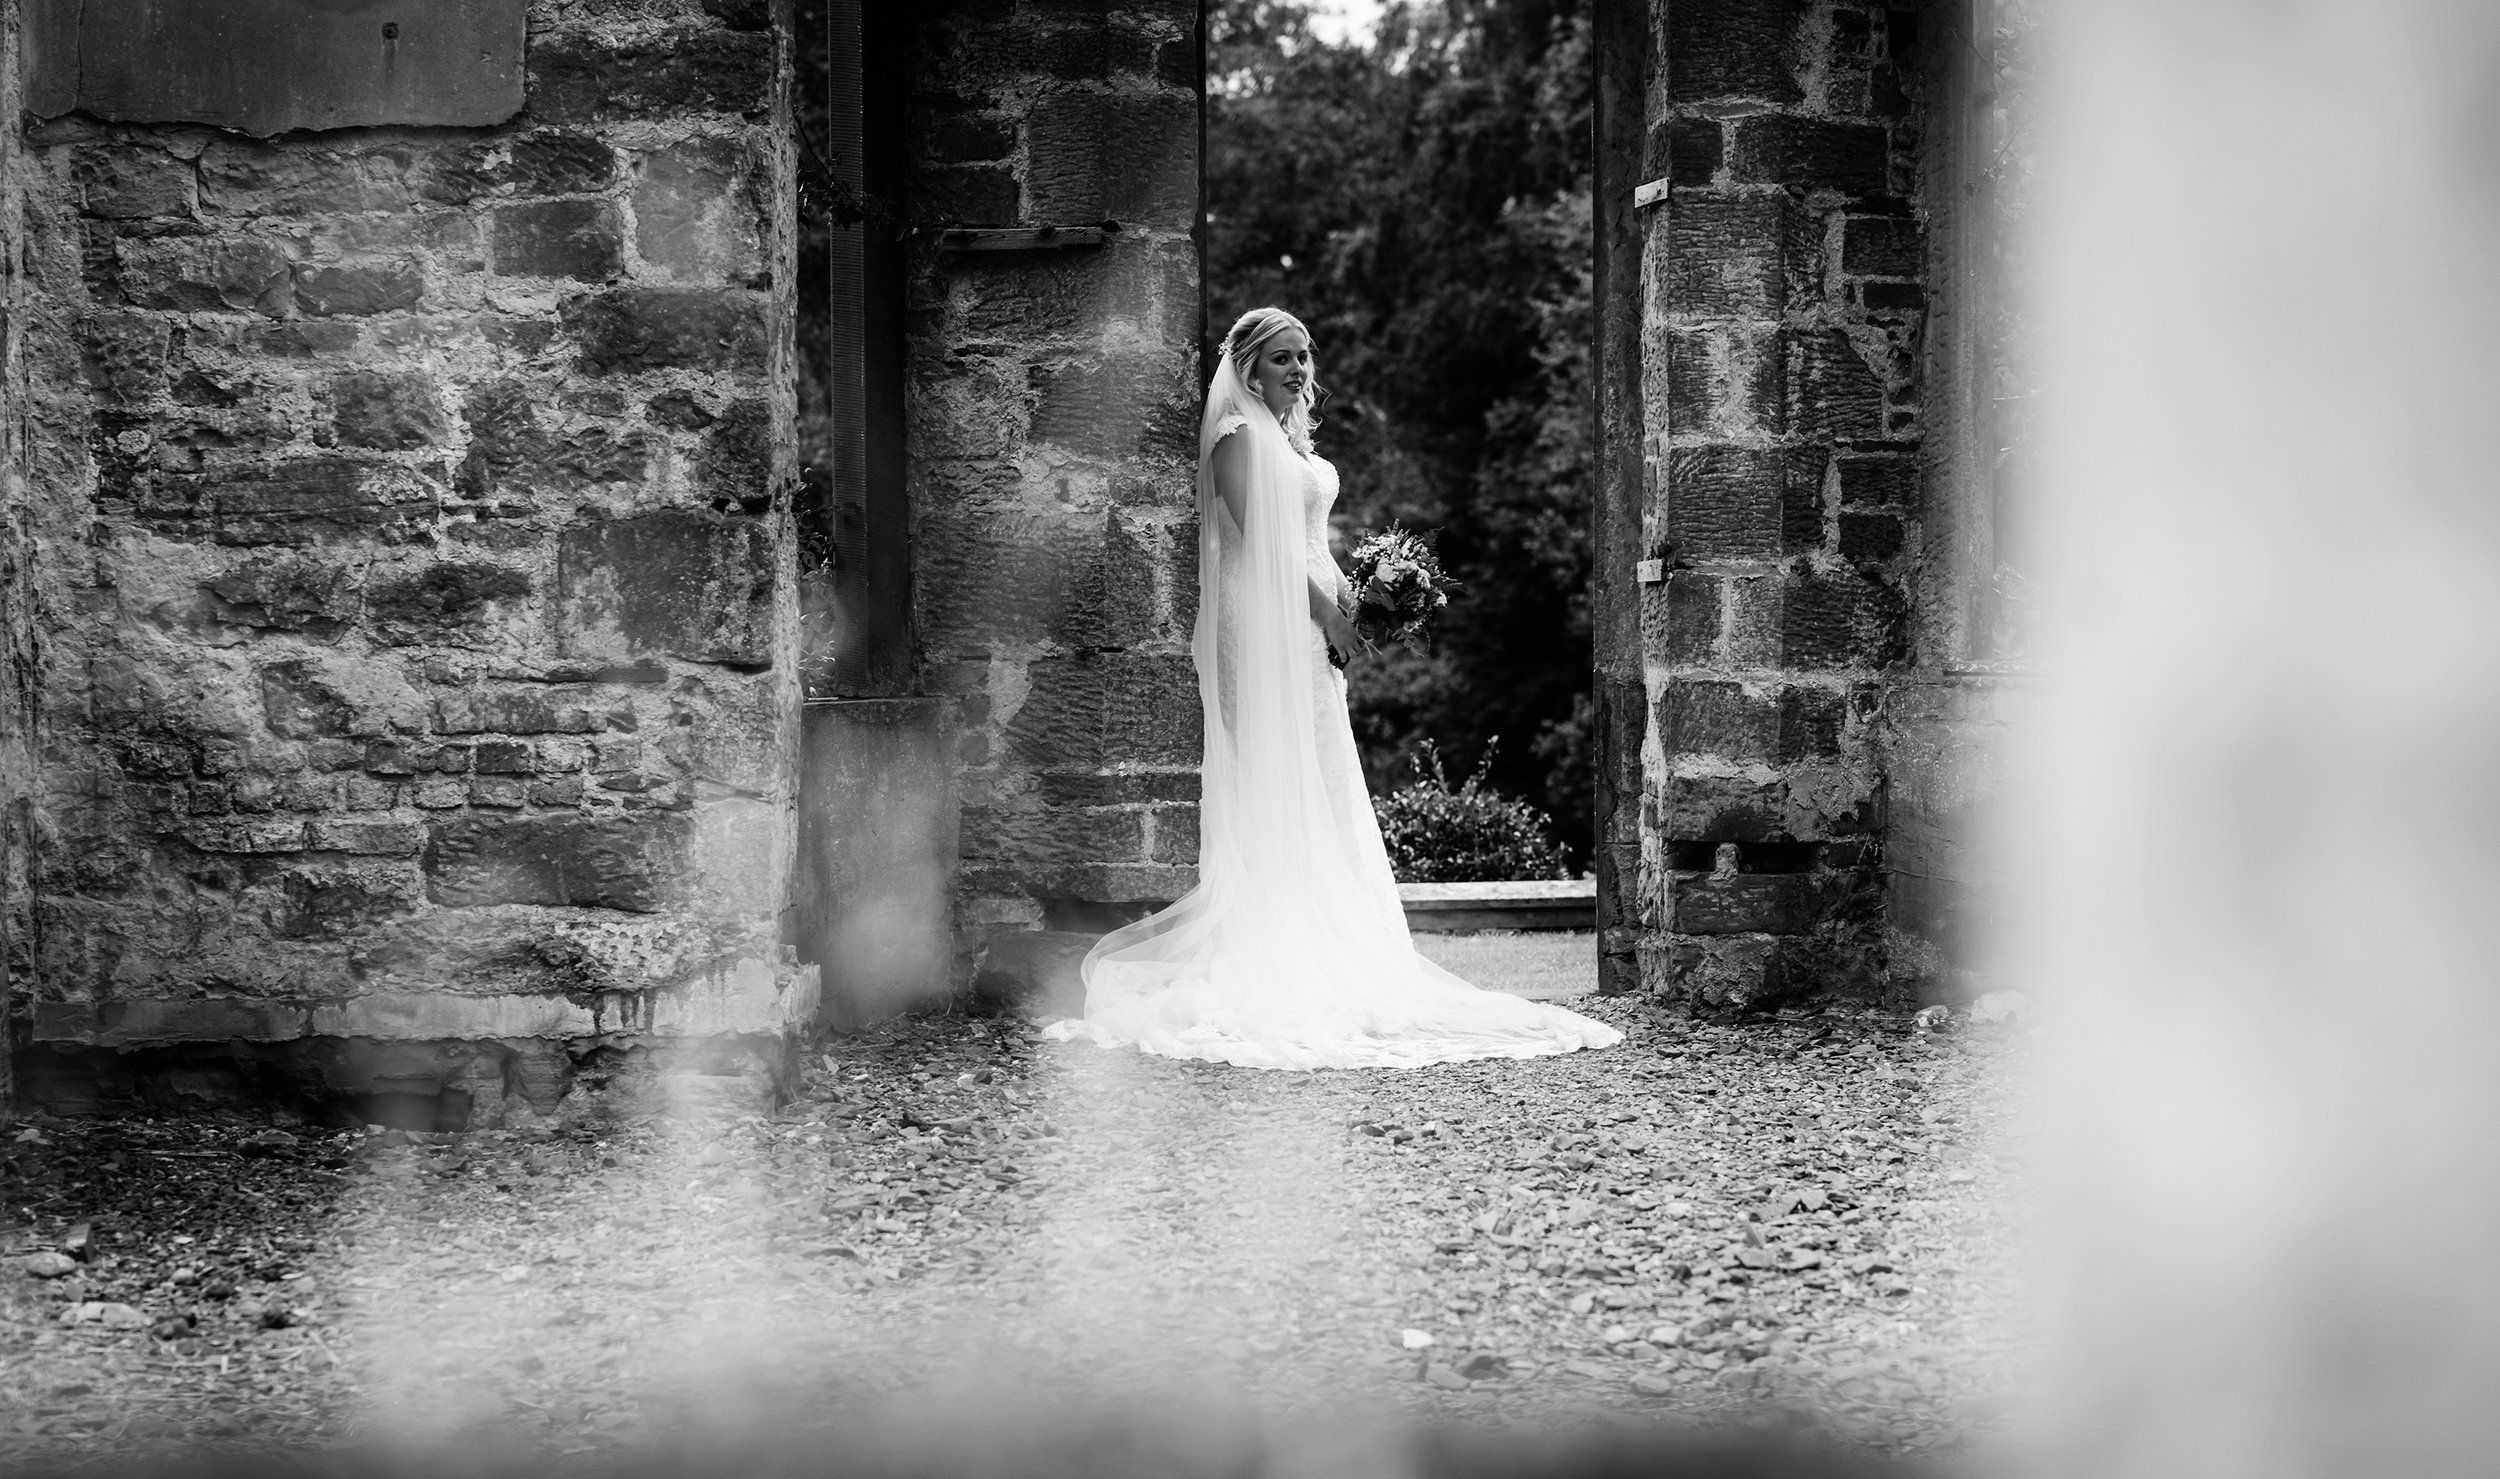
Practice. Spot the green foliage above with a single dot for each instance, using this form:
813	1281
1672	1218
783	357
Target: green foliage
1471	835
1423	203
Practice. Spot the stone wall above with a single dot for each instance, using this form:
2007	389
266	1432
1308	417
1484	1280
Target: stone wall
413	575
17	629
1783	276
1053	400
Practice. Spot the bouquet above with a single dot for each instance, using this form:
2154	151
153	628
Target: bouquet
1398	585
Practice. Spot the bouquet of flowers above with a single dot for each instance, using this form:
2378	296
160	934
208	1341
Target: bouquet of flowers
1398	585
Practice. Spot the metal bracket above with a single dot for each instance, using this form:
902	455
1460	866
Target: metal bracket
1652	571
1653	193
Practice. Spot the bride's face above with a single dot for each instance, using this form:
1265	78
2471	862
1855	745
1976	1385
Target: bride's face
1281	370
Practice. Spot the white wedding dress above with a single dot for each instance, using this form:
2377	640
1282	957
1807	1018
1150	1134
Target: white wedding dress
1292	952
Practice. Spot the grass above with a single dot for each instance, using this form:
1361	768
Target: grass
1545	964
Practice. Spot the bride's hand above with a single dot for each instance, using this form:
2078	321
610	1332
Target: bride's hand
1339	629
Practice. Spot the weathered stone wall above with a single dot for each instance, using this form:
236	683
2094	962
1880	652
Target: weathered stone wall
1784	282
1053	397
17	628
413	574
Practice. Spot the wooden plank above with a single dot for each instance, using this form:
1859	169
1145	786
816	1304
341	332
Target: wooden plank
1020	238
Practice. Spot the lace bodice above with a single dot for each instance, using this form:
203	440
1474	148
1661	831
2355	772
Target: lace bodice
1319	498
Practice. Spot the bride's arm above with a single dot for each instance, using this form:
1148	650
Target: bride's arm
1232	476
1325	609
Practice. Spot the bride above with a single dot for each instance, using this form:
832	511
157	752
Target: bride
1292	952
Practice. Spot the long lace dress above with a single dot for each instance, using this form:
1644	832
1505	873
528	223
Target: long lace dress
1292	952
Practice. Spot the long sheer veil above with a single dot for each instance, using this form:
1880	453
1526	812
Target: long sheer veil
1292	951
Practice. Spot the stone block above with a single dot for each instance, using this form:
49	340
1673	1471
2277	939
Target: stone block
1879	482
1870	537
1117	788
874	886
269	67
504	757
735	464
1811	154
367	837
131	182
1106	708
577	79
530	711
1726	502
1680	617
673	582
634	865
358	288
1695	149
1700	717
1734	49
1723	381
1738	973
189	274
625	330
1131	158
297	702
1174	836
448	602
1828	390
311	500
1710	808
1094	52
577	239
1883	246
244	834
1744	903
699	213
246	177
128	1023
123	355
1747	257
389	410
1893	299
962	138
1839	621
1031	838
1109	408
966	195
1810	724
546	162
303	340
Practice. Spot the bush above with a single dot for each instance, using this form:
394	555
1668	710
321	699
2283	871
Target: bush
1470	835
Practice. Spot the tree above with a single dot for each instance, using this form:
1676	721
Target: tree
1421	201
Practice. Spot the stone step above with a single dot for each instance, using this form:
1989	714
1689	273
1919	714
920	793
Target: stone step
1517	904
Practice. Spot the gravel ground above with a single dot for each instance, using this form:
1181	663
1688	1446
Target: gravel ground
1811	1216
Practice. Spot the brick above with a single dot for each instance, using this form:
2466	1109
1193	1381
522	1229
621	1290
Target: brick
967	195
678	410
698	213
734	466
130	182
195	275
1809	724
624	330
1734	49
505	757
1716	718
500	791
577	239
389	410
1743	258
1125	157
1746	903
692	585
1873	537
529	711
245	835
359	288
1107	708
1878	482
1811	154
1883	246
392	839
574	79
301	340
1840	622
547	162
1054	836
443	602
1828	389
636	866
1695	149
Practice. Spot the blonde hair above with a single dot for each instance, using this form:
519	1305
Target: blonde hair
1241	346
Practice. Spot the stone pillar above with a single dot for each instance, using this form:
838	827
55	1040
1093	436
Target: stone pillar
1053	403
415	581
1785	304
17	627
